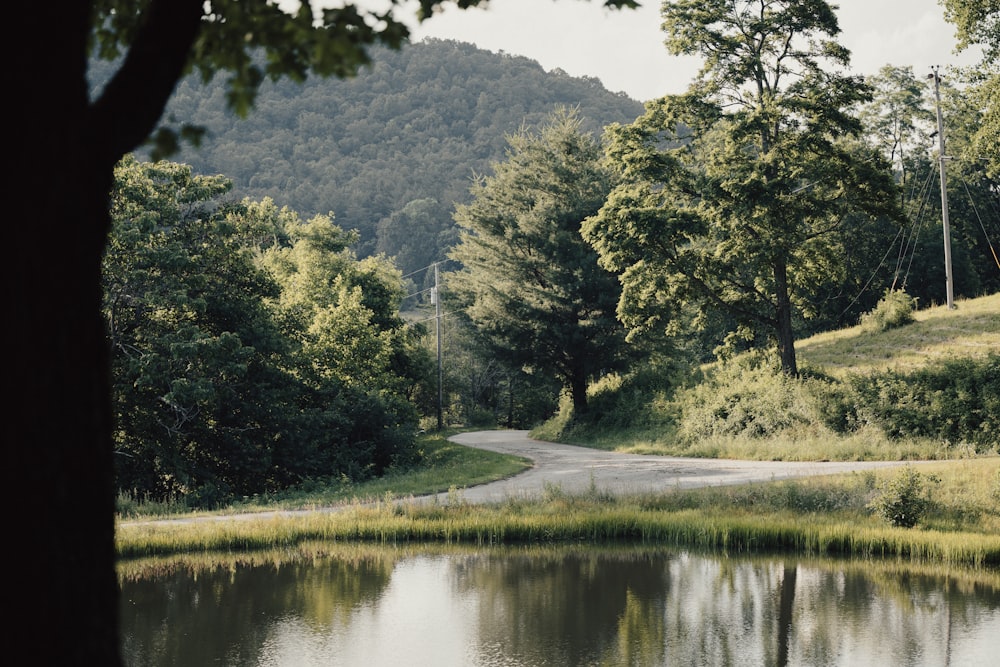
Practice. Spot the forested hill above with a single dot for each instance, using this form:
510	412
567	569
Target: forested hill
412	129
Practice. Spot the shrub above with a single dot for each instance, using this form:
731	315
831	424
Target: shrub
903	499
955	401
894	309
749	397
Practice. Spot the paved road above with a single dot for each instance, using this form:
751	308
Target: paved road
576	469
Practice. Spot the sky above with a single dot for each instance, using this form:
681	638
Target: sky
624	48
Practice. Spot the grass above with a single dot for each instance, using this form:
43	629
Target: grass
443	466
807	445
825	516
972	329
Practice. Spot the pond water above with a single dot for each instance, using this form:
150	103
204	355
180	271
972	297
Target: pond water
559	607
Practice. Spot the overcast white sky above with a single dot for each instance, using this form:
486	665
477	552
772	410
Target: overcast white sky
624	49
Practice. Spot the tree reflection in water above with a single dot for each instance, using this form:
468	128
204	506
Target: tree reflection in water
555	606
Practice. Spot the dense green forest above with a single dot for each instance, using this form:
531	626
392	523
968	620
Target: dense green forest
390	151
278	352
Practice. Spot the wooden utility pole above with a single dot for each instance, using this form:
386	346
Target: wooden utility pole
436	300
949	282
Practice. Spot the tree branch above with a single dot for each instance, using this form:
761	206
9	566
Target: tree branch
131	105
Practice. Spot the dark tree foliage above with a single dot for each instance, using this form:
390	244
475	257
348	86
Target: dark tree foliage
529	282
417	124
215	355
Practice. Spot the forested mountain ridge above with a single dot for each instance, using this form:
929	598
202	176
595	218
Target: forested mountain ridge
412	129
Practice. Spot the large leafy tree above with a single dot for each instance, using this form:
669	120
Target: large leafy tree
65	146
977	23
352	347
732	194
250	350
194	347
531	283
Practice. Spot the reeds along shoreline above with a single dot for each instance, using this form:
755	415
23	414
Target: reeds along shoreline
401	524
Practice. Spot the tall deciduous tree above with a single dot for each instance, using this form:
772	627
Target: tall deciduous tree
57	421
532	285
193	341
730	193
977	23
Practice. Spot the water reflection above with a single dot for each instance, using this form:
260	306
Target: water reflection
565	607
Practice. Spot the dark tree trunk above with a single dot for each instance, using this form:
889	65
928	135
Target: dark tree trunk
783	315
56	388
61	152
578	390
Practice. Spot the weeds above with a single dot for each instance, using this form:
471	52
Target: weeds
894	309
903	500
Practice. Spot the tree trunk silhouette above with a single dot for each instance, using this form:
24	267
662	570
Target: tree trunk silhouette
785	607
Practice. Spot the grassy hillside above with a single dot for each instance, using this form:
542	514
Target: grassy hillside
926	390
972	329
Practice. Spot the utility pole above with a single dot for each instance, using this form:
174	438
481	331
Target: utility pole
436	300
949	282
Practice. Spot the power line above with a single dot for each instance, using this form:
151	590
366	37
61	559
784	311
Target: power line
980	219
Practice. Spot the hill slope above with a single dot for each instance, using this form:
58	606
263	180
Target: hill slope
972	329
411	130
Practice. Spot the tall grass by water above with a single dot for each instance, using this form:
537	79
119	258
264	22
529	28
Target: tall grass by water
828	516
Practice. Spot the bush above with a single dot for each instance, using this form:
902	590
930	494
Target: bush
955	401
747	396
904	499
894	309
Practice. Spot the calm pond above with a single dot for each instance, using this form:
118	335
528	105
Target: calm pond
534	607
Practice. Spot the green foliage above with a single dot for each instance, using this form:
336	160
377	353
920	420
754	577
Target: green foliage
250	351
977	22
894	309
956	401
529	283
747	397
735	202
619	406
904	499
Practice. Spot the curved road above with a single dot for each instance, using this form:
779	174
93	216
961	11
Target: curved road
575	469
572	469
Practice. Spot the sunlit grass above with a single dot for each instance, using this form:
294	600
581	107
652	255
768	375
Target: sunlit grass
818	516
972	329
866	445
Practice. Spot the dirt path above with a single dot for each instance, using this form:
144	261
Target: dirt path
576	469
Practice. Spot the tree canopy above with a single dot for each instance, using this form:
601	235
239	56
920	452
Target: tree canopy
531	284
251	350
977	23
731	196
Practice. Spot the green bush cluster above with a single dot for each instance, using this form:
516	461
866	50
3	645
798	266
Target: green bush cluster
904	499
894	309
956	401
617	403
747	396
